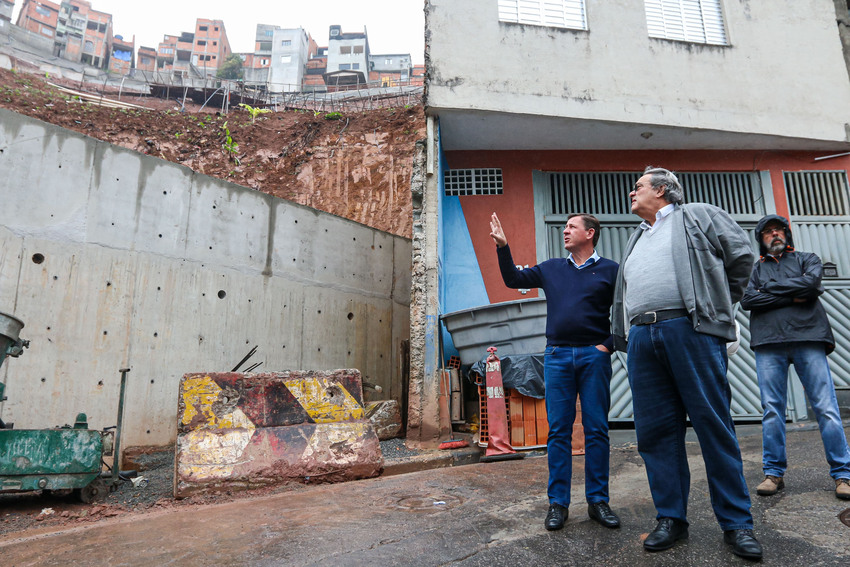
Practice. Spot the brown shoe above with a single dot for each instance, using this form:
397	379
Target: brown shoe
842	488
773	484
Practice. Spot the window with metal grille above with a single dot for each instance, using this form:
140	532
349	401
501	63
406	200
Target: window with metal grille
485	181
695	21
817	193
553	13
607	193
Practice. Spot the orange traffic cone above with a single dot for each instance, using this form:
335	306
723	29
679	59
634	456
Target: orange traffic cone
498	444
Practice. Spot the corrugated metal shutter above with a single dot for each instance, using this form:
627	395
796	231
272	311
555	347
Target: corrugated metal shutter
605	195
555	13
696	21
819	203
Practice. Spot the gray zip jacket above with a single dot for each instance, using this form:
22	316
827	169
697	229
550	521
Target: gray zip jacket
712	259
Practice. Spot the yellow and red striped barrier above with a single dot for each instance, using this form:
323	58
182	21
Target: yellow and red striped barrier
238	430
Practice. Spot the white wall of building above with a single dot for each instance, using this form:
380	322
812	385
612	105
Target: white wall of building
783	73
288	60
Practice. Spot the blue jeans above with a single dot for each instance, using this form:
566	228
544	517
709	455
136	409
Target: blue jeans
676	373
585	371
809	360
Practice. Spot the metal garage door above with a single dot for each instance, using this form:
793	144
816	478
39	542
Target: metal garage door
819	203
605	195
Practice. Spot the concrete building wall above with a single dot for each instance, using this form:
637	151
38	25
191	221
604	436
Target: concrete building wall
290	51
781	86
115	259
348	51
6	7
20	35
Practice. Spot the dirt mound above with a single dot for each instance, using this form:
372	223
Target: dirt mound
356	165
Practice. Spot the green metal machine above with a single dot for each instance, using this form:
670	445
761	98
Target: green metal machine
59	460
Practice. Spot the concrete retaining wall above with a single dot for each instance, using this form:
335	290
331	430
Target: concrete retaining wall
113	259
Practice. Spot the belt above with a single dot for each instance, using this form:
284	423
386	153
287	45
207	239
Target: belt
656	316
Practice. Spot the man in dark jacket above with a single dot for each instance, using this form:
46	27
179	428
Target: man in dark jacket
788	325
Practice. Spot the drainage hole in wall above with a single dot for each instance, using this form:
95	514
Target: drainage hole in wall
38	258
320	311
350	316
296	221
108	284
158	288
320	349
210	247
213	206
100	382
44	379
151	381
165	192
159	235
149	431
155	334
55	277
104	333
203	295
349	353
222	294
48	328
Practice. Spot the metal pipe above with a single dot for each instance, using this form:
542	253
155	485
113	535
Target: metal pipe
116	460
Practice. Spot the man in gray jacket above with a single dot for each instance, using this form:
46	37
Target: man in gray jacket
788	325
681	273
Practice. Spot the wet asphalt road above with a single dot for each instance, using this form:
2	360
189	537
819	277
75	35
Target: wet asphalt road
483	514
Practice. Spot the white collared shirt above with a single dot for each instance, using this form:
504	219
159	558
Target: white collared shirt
589	262
660	215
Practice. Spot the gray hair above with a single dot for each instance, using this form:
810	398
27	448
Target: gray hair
673	191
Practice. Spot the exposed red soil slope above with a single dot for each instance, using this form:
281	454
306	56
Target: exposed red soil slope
356	165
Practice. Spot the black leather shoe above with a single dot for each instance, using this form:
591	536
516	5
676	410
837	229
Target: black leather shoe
744	544
666	533
556	517
601	512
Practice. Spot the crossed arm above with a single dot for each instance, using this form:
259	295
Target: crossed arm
794	289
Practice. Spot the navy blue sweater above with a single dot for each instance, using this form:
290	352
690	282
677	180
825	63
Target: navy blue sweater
578	302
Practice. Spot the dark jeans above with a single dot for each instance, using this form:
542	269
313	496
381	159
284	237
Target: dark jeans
675	373
586	371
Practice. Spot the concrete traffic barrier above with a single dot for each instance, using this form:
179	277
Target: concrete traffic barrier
385	416
241	430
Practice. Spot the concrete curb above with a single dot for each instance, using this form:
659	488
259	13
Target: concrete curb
433	460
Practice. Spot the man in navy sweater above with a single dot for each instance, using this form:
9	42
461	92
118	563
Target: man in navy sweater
579	293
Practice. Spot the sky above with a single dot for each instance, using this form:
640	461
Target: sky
394	26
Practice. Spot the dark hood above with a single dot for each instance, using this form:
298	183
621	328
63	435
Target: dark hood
789	240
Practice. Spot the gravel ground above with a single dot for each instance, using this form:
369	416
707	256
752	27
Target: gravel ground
20	512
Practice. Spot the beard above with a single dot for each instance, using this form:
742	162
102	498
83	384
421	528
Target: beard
777	246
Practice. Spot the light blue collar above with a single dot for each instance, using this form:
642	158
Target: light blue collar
589	262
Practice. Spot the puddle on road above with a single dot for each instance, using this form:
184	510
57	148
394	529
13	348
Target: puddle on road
430	502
